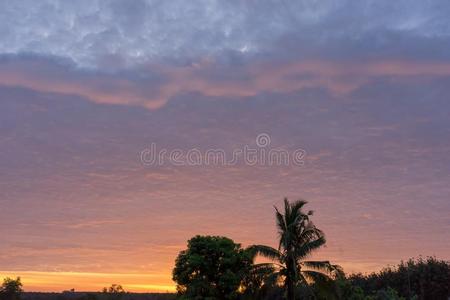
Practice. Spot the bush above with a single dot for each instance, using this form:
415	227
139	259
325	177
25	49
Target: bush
11	289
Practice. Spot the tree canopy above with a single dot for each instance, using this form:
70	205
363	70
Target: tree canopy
212	267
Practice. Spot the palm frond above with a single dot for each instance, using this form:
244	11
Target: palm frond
296	207
309	233
282	228
302	279
263	268
316	277
324	285
323	266
265	251
306	248
273	279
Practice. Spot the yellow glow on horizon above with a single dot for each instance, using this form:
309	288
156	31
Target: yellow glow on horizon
36	281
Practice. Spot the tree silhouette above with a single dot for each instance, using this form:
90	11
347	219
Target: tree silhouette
422	278
114	292
11	289
212	267
299	237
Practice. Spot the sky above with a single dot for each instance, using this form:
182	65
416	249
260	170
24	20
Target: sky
88	89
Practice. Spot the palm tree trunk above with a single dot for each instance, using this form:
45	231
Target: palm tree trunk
290	284
290	290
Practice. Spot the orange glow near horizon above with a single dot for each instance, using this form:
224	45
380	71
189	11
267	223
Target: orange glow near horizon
91	282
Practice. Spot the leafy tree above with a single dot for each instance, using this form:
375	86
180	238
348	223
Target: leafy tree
11	289
299	237
114	292
212	267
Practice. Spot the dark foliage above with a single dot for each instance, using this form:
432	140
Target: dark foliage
11	289
212	267
95	296
298	239
114	292
424	279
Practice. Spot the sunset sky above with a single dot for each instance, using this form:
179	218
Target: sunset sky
362	87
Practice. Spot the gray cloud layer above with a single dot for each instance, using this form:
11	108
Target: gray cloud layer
117	34
148	52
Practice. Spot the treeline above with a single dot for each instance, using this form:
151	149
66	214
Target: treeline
96	296
11	289
420	279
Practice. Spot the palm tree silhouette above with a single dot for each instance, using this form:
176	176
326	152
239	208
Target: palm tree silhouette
298	238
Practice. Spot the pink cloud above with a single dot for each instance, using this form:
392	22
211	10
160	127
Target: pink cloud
207	78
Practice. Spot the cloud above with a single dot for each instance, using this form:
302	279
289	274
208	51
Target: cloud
117	34
144	53
153	85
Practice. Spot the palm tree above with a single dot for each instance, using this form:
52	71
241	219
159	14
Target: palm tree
298	239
